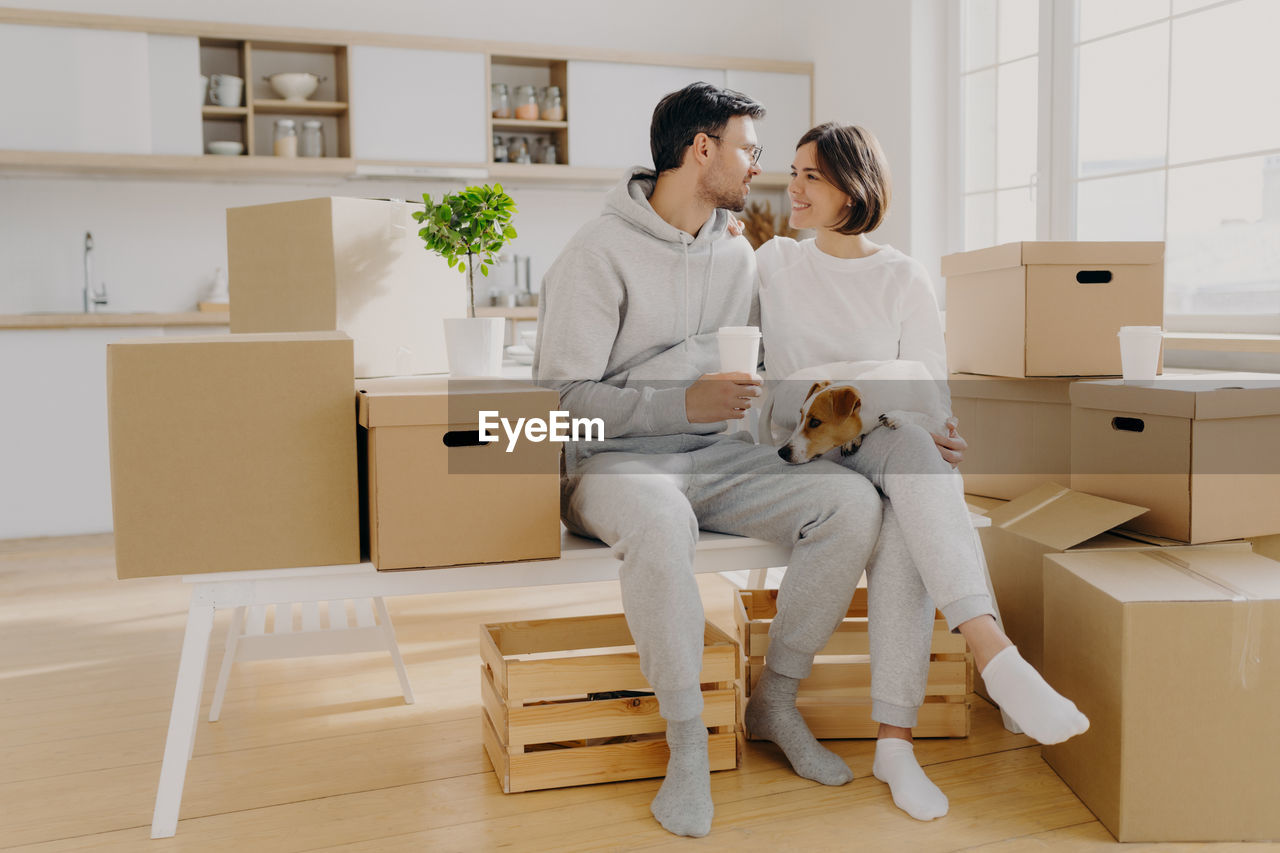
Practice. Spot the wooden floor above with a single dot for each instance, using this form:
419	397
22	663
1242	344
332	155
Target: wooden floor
324	754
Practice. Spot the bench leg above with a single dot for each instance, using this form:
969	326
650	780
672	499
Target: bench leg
389	632
180	740
228	658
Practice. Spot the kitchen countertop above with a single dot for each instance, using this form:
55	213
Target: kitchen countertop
76	320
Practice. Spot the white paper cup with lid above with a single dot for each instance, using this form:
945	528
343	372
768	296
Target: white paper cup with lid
739	349
1139	352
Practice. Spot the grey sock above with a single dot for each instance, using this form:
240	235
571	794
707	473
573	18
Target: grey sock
772	715
683	804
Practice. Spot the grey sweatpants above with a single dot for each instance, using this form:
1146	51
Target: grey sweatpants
925	556
649	508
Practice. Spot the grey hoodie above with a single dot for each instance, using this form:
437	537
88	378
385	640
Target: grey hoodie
627	320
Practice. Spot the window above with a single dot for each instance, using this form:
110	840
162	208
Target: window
1167	131
999	83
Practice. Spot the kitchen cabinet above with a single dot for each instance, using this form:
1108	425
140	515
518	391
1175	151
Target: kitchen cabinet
612	104
418	105
53	449
786	99
74	89
125	101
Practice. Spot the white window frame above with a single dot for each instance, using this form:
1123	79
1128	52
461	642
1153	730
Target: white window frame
1056	157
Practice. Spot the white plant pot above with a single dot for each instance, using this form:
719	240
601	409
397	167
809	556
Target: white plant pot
474	345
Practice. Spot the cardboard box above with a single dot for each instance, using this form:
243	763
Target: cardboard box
437	497
1049	309
1174	656
232	453
1050	519
565	703
349	264
1019	433
835	700
1200	451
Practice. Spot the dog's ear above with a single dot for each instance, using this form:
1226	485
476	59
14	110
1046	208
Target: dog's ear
845	401
816	387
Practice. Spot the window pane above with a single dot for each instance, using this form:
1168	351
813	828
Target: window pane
1127	208
1016	122
979	221
1226	81
1015	215
1102	17
980	131
1019	28
1122	102
979	33
1223	250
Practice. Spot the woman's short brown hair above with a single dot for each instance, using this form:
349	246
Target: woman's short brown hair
851	159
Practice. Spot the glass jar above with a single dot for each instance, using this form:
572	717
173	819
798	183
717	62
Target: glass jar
311	142
499	149
553	105
526	153
501	100
517	147
285	139
549	154
526	103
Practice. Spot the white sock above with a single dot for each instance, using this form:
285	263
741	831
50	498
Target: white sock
1041	711
896	766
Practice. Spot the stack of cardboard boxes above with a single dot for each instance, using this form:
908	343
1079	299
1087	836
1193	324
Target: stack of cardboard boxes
267	448
1117	548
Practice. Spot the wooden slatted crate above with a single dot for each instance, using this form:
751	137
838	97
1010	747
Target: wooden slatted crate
565	703
835	700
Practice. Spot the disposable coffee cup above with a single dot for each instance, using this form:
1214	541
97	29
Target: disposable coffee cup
739	349
1139	352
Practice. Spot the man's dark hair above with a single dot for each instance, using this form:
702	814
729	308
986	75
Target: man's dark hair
697	108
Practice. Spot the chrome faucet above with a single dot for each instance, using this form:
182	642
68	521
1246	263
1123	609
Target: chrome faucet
92	297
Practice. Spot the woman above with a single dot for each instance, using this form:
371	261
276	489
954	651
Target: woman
841	297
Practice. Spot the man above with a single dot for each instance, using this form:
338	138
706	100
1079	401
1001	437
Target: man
627	333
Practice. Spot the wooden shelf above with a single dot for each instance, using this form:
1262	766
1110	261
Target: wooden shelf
74	320
533	125
1215	342
215	113
262	106
197	166
518	312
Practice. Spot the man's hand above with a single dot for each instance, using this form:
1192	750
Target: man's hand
720	397
952	445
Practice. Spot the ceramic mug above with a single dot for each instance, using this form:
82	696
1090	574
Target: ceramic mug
225	89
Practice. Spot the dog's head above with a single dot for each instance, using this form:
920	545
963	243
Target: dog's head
830	417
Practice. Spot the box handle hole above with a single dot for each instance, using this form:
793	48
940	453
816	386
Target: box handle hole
1094	277
1128	424
464	438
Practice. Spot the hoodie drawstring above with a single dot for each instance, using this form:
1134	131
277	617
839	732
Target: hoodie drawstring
685	243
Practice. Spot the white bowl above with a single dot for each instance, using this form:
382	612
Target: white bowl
224	147
294	85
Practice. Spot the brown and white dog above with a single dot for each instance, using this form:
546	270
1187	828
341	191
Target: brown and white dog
840	412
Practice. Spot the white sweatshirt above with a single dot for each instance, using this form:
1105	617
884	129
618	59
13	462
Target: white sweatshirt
817	309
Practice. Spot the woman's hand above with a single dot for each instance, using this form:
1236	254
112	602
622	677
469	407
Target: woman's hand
736	226
952	445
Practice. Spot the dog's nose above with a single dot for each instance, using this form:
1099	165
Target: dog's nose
785	452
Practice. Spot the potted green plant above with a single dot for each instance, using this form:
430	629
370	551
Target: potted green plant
468	229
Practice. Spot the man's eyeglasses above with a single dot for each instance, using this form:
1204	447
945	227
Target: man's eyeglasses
753	151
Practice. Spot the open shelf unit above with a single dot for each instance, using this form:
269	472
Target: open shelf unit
251	123
539	72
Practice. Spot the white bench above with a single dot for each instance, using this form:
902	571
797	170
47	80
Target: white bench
581	560
250	593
